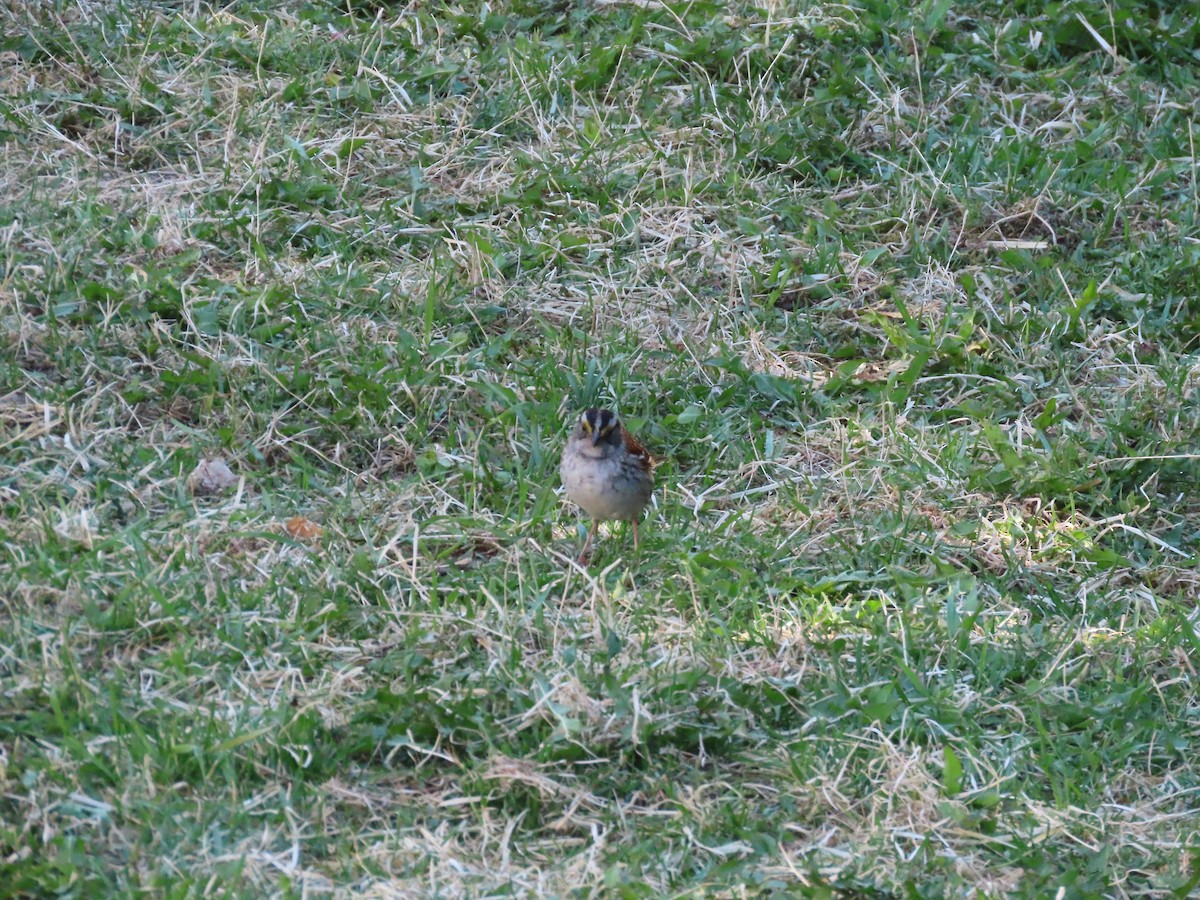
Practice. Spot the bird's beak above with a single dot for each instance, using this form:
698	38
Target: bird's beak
595	437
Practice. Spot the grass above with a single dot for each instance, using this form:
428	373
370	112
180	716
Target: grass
906	299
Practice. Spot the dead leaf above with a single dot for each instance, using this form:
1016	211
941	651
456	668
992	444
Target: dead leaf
303	529
78	527
881	370
211	476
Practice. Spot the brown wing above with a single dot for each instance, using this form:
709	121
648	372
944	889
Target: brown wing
636	449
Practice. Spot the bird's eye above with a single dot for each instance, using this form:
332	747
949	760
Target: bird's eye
587	424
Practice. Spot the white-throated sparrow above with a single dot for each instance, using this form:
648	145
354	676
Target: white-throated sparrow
606	472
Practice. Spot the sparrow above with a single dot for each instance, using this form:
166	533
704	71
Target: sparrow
606	472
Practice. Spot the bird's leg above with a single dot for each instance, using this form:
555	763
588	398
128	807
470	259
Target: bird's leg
635	537
587	543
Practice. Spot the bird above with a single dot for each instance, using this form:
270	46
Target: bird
606	472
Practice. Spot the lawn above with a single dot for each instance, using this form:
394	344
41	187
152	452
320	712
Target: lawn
905	296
